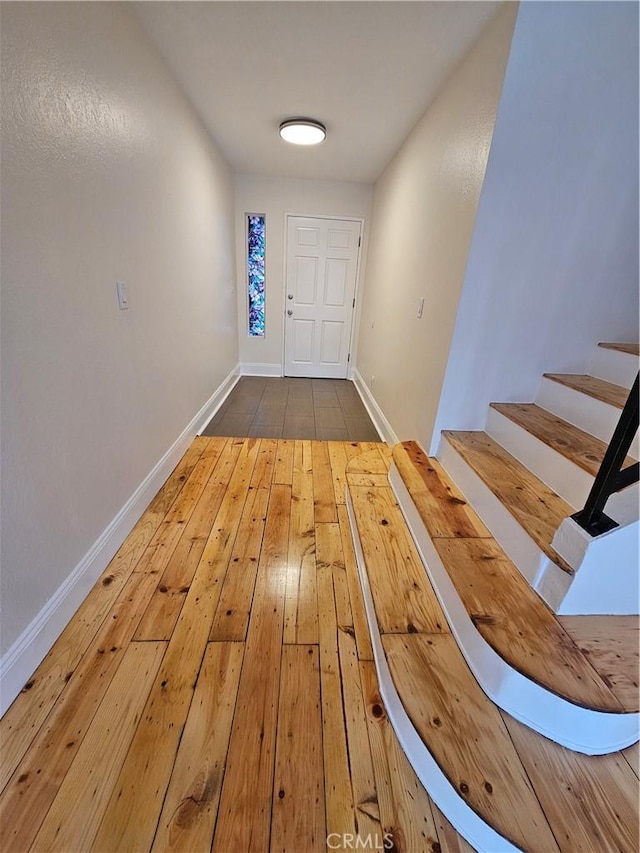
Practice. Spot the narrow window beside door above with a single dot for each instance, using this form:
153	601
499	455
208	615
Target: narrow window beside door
255	273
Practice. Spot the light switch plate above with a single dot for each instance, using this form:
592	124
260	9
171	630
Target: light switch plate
123	295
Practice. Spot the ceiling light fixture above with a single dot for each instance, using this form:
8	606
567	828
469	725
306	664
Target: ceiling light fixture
303	131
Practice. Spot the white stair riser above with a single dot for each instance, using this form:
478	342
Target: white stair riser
581	410
621	368
565	477
531	561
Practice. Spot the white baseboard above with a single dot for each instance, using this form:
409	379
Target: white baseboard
27	652
260	369
380	422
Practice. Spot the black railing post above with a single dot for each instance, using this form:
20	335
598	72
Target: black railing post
610	478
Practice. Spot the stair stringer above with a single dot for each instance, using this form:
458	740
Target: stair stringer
580	729
464	819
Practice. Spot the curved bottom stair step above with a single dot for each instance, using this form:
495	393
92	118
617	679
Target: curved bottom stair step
518	649
485	772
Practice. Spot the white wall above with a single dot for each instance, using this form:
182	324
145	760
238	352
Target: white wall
276	197
423	214
553	266
106	174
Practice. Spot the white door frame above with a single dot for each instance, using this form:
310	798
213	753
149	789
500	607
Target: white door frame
342	218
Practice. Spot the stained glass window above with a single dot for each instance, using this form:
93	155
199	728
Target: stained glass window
255	267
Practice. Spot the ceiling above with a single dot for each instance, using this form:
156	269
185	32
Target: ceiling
367	70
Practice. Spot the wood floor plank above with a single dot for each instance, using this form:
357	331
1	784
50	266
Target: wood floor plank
298	821
23	719
329	555
368	461
232	615
404	599
283	471
368	479
517	623
632	757
323	496
75	814
464	732
359	616
594	803
612	645
574	444
301	602
536	507
363	783
338	793
245	807
442	506
265	464
133	811
338	461
449	840
163	610
37	778
353	449
191	805
405	807
606	392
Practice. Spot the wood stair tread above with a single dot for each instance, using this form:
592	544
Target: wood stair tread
535	506
612	644
404	598
574	444
606	392
466	735
631	349
508	613
502	770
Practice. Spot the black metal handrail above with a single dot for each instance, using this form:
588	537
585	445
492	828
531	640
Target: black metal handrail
612	477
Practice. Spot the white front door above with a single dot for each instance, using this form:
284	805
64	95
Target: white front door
322	262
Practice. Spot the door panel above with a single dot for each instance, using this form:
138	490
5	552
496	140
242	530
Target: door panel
322	261
306	280
335	282
303	341
332	334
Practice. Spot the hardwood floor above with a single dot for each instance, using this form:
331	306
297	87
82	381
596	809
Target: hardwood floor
216	691
216	688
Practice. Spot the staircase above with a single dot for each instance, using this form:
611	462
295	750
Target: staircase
518	721
534	466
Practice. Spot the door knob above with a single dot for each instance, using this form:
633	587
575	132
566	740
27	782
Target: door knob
289	295
290	312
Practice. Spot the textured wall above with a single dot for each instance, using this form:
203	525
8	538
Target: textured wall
553	266
423	214
106	174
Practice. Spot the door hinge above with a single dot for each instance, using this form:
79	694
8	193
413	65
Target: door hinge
353	304
359	241
349	358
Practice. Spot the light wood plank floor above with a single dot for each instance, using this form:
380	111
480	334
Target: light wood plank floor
216	689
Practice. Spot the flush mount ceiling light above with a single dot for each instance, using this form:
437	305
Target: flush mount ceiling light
302	131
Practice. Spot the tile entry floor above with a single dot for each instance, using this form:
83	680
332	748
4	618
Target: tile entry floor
322	409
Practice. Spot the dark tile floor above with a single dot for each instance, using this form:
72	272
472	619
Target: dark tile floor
324	409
